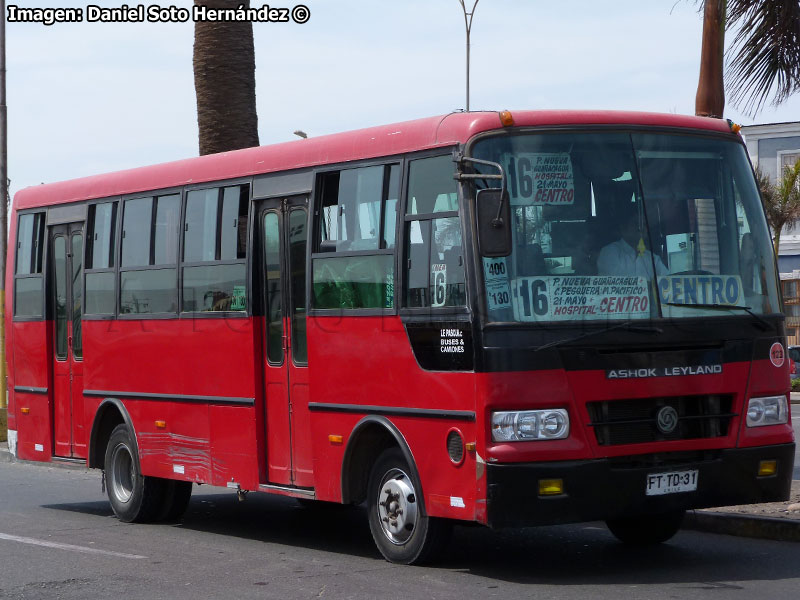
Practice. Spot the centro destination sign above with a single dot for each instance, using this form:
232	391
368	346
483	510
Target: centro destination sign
663	372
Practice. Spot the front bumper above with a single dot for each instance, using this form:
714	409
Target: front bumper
613	488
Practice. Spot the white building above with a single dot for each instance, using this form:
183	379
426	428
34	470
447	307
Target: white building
771	147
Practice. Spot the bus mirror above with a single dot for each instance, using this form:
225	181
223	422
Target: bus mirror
494	223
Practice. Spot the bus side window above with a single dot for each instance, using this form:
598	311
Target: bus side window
28	299
100	246
148	269
434	248
357	214
215	249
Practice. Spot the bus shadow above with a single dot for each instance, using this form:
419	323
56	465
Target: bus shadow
280	520
574	555
101	508
264	518
587	554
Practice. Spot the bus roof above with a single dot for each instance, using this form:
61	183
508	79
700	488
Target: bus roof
385	140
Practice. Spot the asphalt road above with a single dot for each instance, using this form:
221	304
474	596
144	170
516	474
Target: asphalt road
59	539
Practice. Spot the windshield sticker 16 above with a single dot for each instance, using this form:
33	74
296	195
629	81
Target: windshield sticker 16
498	290
700	289
580	298
537	178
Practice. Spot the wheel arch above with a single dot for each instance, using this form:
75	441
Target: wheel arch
110	413
370	436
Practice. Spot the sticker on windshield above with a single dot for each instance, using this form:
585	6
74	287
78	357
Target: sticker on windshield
580	298
498	289
539	178
439	284
239	297
725	290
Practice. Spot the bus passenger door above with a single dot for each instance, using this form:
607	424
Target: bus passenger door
66	293
284	234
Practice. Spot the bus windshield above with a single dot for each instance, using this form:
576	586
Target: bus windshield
628	226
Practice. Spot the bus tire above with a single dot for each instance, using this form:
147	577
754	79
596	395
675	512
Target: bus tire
646	530
397	520
176	500
135	498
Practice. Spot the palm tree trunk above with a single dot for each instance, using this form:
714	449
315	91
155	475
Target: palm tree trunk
776	241
225	81
710	99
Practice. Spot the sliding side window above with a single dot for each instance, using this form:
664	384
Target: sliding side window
353	266
28	297
435	257
100	249
215	250
148	262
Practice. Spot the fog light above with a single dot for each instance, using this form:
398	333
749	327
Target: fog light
767	468
551	487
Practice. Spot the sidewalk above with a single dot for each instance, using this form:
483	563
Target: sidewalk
773	521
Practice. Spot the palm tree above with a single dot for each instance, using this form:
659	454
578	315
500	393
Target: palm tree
225	81
781	200
764	58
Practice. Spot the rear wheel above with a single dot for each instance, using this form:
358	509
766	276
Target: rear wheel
647	530
397	520
133	496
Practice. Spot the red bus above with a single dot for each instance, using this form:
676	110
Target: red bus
505	318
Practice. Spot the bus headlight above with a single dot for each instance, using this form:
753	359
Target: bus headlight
767	411
530	425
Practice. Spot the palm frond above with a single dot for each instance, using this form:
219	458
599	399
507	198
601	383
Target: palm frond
764	59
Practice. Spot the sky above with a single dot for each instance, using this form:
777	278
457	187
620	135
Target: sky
87	98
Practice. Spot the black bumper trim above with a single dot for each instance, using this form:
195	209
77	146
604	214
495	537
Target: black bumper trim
609	489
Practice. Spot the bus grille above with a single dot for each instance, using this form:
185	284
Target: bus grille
617	422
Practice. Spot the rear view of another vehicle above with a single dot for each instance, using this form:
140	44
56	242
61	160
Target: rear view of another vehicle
794	358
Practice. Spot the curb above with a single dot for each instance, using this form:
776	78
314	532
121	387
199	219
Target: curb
765	528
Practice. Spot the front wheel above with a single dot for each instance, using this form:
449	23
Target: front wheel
397	520
133	496
647	530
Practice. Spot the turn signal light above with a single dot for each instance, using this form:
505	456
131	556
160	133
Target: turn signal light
551	487
161	424
506	118
767	468
335	439
24	410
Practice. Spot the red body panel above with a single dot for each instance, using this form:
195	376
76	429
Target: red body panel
32	412
203	357
346	353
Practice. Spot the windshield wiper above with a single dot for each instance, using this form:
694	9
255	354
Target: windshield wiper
763	322
626	325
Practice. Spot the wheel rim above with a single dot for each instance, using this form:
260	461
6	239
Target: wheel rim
397	506
122	473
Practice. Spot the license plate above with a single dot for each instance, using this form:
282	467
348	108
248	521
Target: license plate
659	484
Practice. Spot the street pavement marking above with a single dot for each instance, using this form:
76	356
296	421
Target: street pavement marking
81	549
